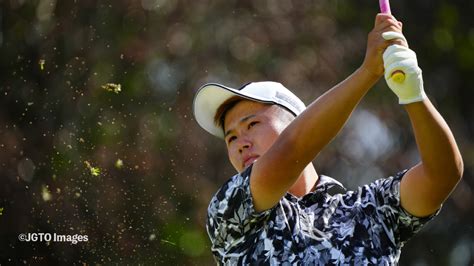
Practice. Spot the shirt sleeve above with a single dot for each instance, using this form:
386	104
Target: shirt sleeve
232	218
399	224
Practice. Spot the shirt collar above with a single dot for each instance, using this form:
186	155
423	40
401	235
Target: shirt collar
328	185
325	184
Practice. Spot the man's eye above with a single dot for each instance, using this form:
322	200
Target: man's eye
231	139
253	124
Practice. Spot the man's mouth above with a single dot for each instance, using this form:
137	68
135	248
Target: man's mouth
250	160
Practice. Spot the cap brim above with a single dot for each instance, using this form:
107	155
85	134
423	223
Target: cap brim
208	99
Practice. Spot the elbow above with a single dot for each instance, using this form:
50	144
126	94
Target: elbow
459	167
451	169
456	170
459	164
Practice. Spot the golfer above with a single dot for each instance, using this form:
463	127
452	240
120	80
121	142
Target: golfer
279	211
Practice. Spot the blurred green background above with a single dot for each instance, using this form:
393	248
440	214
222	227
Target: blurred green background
131	168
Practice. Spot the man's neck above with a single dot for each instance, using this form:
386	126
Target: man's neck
306	182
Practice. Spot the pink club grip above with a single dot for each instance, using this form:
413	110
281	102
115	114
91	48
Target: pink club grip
397	75
385	7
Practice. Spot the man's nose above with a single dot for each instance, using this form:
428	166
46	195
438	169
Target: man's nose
244	144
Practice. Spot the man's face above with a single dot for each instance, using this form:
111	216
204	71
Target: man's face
250	129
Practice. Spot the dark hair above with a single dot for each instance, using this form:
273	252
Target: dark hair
221	112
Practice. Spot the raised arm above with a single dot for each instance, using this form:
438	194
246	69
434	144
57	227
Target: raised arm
427	185
278	169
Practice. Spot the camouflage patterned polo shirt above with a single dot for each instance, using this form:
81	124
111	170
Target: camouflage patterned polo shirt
366	226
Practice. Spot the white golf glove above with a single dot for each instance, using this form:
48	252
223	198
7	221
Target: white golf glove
400	58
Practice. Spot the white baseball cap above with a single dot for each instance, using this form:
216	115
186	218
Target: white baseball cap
212	95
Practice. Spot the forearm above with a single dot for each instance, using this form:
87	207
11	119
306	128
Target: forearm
324	118
439	153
